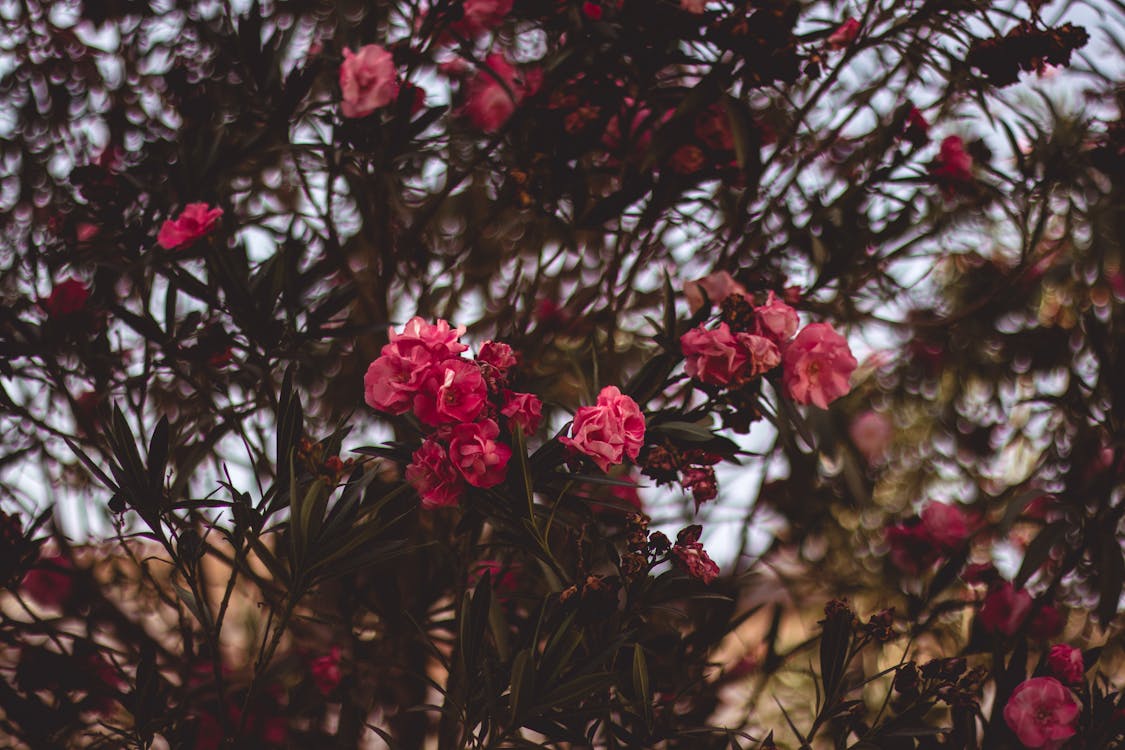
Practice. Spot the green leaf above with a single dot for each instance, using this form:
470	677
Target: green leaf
192	604
579	687
1038	551
523	684
523	474
641	688
669	331
158	455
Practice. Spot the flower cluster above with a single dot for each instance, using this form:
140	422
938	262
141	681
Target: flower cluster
648	550
460	402
689	555
1025	48
752	341
692	468
948	680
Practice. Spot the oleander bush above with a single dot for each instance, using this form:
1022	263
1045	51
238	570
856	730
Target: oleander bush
486	374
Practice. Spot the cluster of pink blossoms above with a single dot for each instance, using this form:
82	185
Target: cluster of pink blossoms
461	401
816	364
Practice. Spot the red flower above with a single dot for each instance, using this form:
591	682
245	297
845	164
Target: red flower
482	461
954	165
432	475
1005	609
844	35
67	298
689	555
608	431
497	355
1041	711
523	409
479	16
1066	663
452	392
720	357
195	221
494	93
593	11
326	671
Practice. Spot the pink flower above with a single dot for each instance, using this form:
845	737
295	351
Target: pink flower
954	165
523	409
494	93
1041	711
48	584
947	526
871	433
818	365
844	35
717	286
719	357
608	431
688	554
776	320
713	355
480	16
911	550
453	391
762	355
1005	609
368	80
476	454
326	671
433	476
440	339
393	379
67	297
1066	663
195	221
497	355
